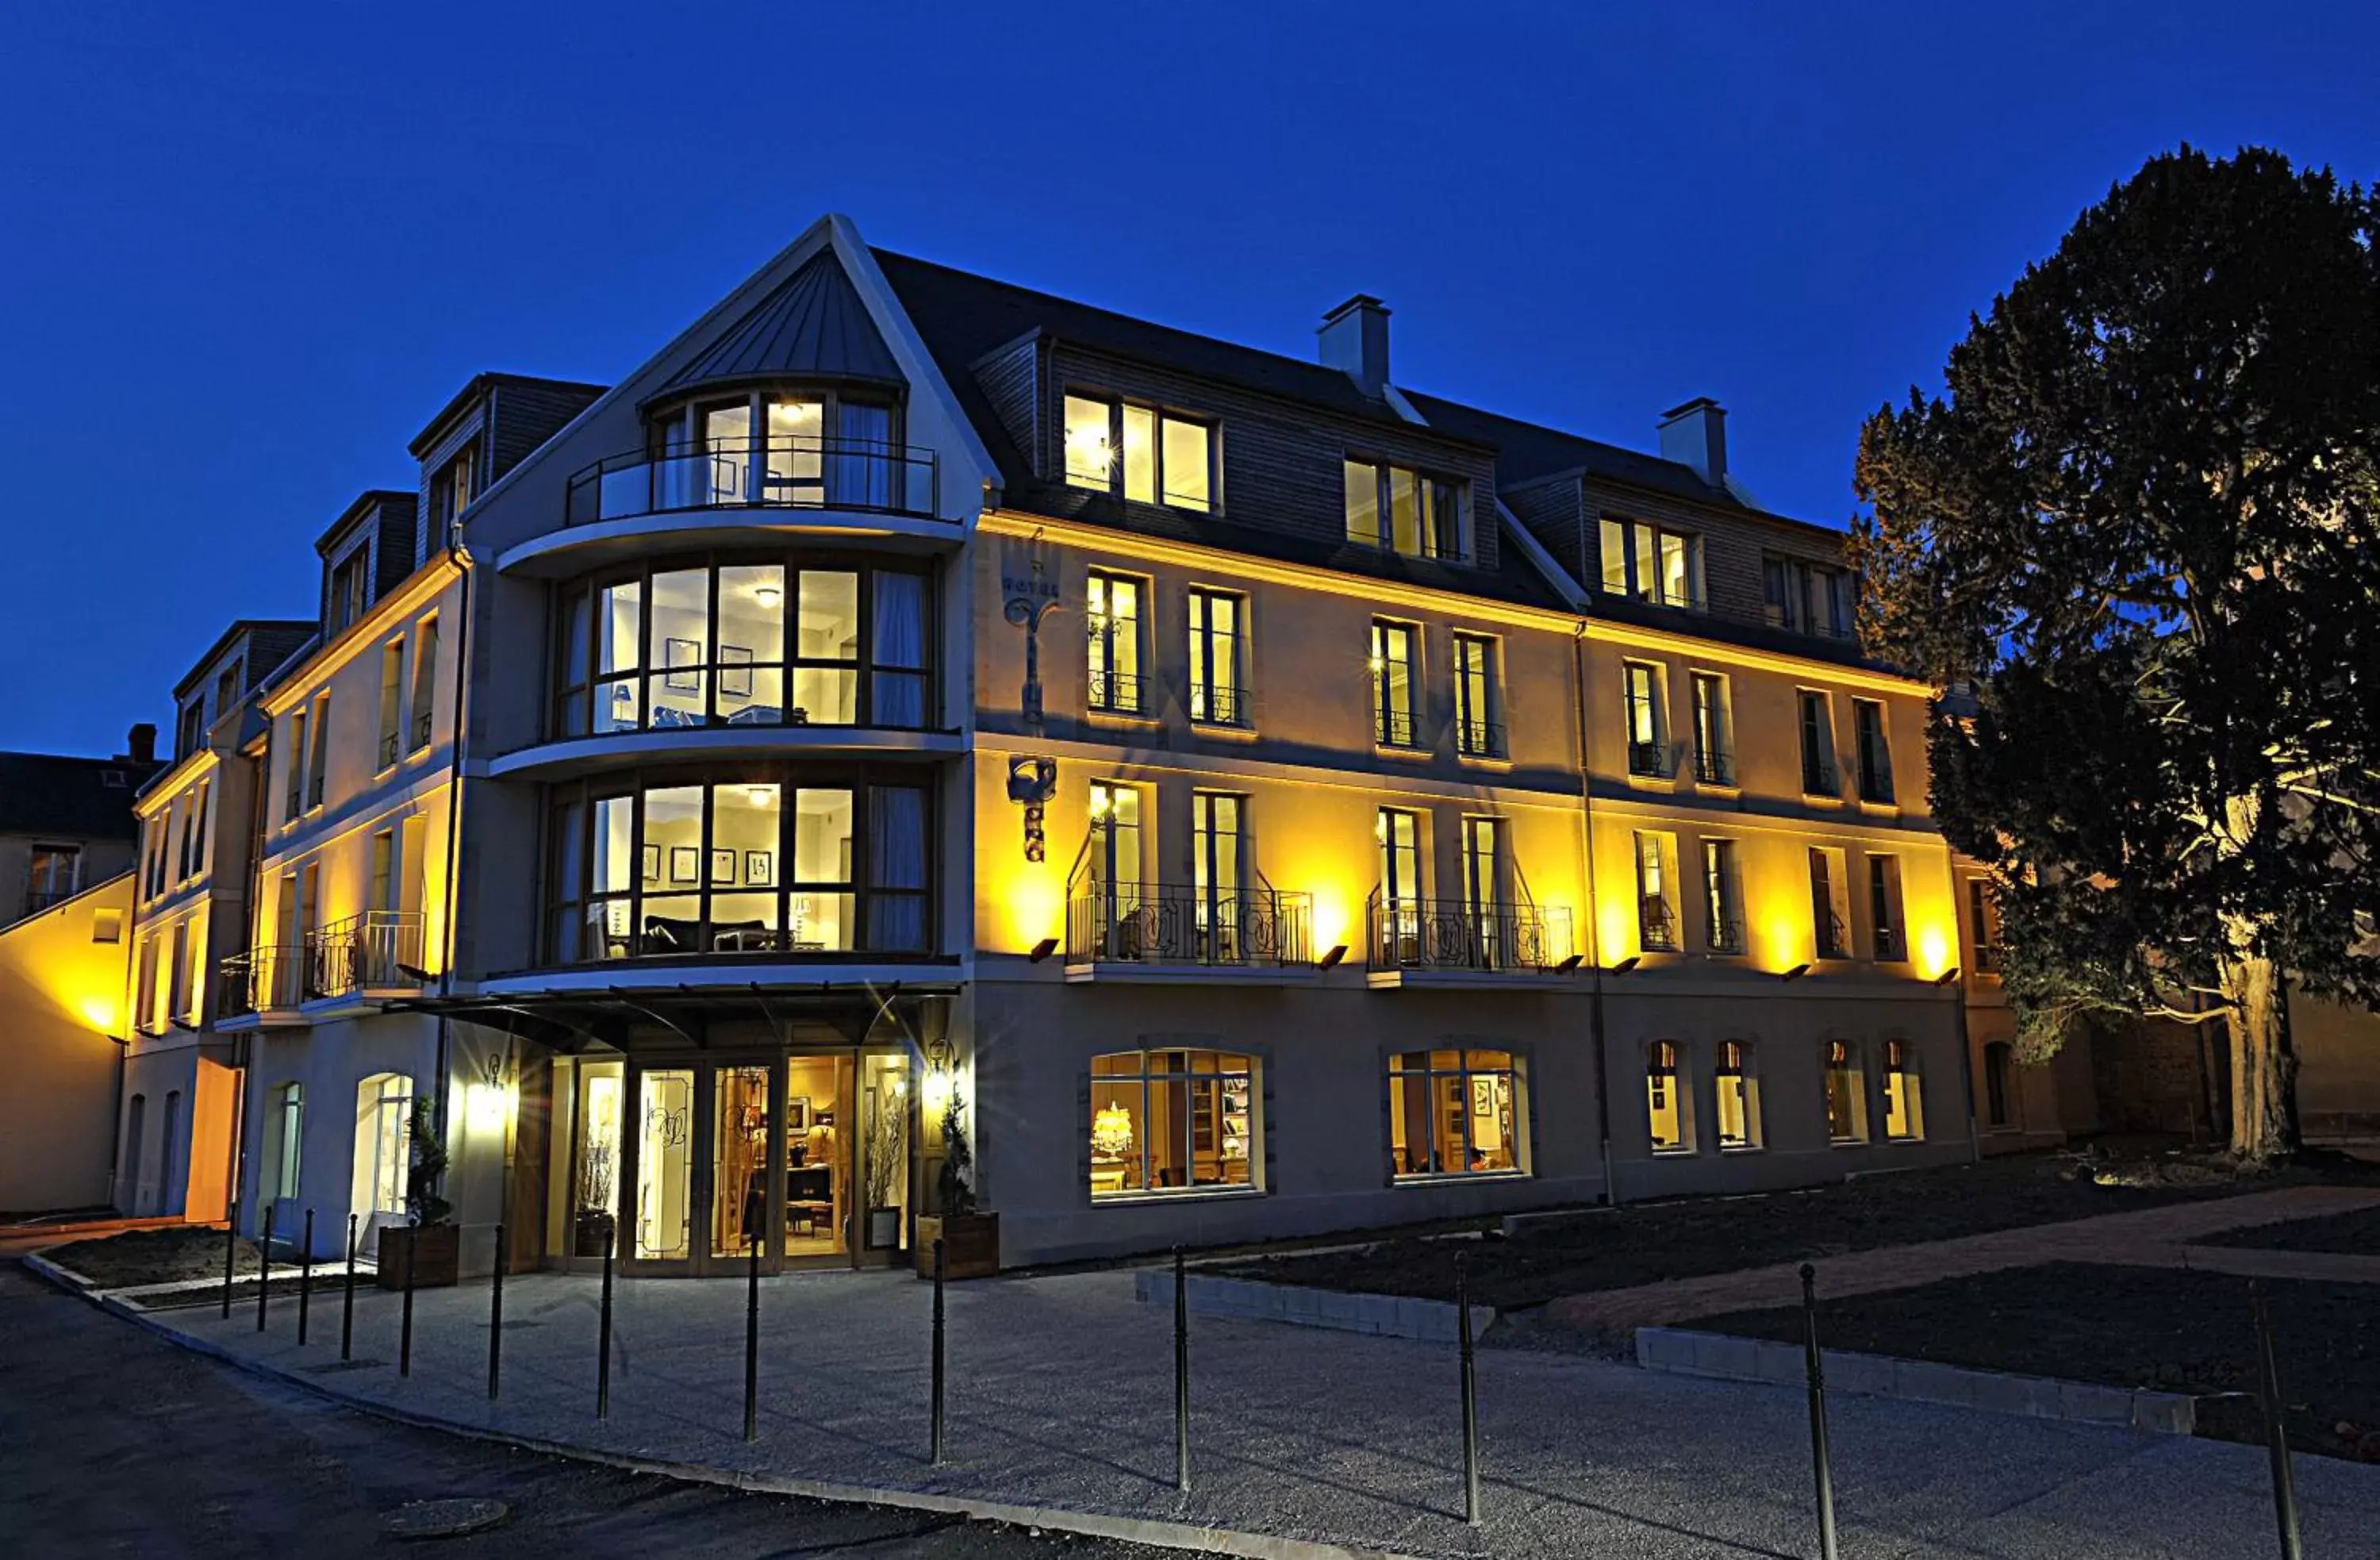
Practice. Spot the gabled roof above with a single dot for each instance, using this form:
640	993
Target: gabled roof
276	638
814	324
68	798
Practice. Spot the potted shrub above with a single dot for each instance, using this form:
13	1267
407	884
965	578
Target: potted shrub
887	1139
970	1237
593	1226
429	1247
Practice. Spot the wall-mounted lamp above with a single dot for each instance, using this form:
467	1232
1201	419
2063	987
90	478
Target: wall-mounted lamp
1569	964
1795	973
1625	964
1948	977
1042	949
937	1093
1330	960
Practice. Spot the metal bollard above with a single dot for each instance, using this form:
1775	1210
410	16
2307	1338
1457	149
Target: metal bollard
264	1270
935	1454
305	1274
2268	1383
404	1326
1180	1377
752	1344
603	1360
496	1317
348	1310
1470	1398
231	1253
1819	1454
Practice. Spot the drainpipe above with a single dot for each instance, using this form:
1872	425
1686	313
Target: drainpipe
1594	921
1966	1069
115	1123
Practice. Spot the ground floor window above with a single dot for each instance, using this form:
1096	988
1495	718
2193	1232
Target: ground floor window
1171	1121
1454	1112
1995	1084
383	1144
1846	1115
286	1121
1739	1098
1666	1108
1904	1094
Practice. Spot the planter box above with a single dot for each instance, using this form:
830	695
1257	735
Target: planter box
432	1253
591	1234
970	1246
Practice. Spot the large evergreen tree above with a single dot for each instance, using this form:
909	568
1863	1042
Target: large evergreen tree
2141	520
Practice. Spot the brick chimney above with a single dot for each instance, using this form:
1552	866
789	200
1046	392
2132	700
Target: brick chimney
141	744
1696	434
1355	341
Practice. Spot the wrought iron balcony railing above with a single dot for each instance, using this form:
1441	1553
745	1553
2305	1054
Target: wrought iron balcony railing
1479	740
388	749
1818	777
1117	693
1726	932
1183	923
421	726
1656	761
1211	704
377	950
1657	924
1451	934
1874	781
266	980
863	474
1891	945
1834	940
1714	766
1392	728
1987	958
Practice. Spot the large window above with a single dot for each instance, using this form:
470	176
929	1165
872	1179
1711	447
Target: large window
52	874
1455	1113
1713	745
285	1123
1668	1112
1406	511
1739	1098
1846	1095
319	761
1173	1121
1904	1094
294	769
1218	694
1399	832
1657	900
425	681
1829	903
1138	453
1645	709
1983	924
1817	725
1652	565
1111	608
757	642
1884	909
1875	752
772	859
1808	597
801	448
1396	683
392	697
1478	720
1722	896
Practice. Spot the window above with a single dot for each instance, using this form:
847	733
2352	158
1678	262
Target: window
1173	1121
1478	728
1722	896
808	449
107	926
1455	1113
754	643
769	859
1818	746
1218	693
1396	683
199	840
382	871
1656	910
319	757
1164	458
1406	511
144	985
1399	892
1808	597
52	875
1668	1112
1846	1105
183	812
226	689
1904	1094
178	974
392	693
1875	752
1714	738
1218	867
287	1123
425	682
1739	1098
1984	919
383	1144
1884	909
1829	907
1650	564
1113	612
192	728
450	492
1997	1058
1648	724
350	587
296	770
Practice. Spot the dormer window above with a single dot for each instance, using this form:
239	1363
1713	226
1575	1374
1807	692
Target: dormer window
1652	563
1406	511
350	587
452	489
1139	452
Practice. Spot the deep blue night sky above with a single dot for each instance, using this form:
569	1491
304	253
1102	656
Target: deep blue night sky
246	252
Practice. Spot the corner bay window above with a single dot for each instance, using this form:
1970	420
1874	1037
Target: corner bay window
775	859
1146	456
1455	1113
1171	1121
759	642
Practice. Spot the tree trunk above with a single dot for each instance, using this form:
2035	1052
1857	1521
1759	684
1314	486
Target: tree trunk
2263	1074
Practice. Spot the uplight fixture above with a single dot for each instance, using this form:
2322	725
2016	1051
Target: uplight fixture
1625	964
1042	949
1330	959
1795	973
1948	977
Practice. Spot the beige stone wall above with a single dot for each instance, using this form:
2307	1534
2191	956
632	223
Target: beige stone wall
61	1000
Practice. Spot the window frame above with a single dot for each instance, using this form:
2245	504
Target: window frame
1161	418
1657	929
1432	539
1102	683
1888	929
1649	757
1149	1077
1632	534
1386	633
1840	1060
1514	1070
1821	774
1714	727
1903	1086
1666	1073
1738	1061
678	429
421	707
1723	929
1871	735
1830	936
1478	695
1217	697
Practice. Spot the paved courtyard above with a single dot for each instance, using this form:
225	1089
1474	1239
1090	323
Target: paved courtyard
1060	1396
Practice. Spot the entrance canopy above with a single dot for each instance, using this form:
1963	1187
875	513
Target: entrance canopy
696	1017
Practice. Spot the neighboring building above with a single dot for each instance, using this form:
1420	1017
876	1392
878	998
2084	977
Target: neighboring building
62	980
65	823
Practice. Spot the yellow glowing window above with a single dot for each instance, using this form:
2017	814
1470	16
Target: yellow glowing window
1667	1113
1455	1113
1904	1114
1738	1097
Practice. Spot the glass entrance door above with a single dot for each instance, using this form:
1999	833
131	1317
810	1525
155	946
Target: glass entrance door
664	1128
884	1106
595	1164
742	1147
819	1128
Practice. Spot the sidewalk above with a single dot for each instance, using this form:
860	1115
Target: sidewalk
2150	1238
1061	1397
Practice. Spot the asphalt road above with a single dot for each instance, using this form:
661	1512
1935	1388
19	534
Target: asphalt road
113	1442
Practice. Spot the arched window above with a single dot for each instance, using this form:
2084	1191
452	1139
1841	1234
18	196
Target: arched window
1904	1094
1667	1110
1846	1107
1996	1080
1173	1121
1739	1098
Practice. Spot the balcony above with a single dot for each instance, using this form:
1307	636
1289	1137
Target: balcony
1117	693
1656	925
379	950
1140	930
266	983
1214	705
1714	766
1479	740
1456	941
1833	938
1392	728
1653	761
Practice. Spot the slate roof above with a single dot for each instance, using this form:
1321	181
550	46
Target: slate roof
68	798
814	324
272	640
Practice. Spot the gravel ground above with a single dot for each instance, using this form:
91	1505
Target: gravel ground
2350	1235
152	1256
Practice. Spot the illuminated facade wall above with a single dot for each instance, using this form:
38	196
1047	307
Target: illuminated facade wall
63	976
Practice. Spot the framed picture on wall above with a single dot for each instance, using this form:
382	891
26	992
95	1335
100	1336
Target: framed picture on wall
723	866
797	1114
686	863
759	870
735	671
1483	1098
652	863
678	653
